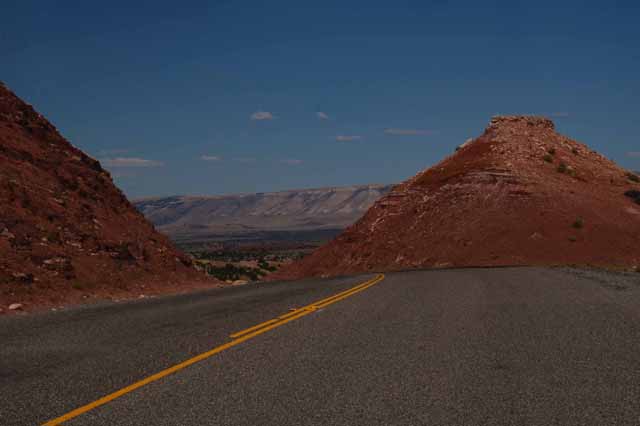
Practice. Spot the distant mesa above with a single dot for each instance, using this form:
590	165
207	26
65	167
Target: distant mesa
67	234
192	218
519	194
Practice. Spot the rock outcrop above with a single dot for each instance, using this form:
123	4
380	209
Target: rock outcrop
66	232
520	194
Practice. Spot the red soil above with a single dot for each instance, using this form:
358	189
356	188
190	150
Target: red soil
520	194
67	234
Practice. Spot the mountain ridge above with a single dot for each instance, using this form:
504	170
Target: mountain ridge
290	210
241	194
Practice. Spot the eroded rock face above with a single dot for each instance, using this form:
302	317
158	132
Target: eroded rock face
509	197
502	121
64	223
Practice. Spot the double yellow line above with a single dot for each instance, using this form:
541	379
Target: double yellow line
305	310
239	337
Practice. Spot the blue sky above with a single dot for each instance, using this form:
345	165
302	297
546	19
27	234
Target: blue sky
224	97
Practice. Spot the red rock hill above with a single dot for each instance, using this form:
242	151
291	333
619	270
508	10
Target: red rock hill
66	232
520	194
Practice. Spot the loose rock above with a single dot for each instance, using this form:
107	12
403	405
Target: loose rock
22	277
6	234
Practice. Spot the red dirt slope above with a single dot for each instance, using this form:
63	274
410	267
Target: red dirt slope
520	194
66	232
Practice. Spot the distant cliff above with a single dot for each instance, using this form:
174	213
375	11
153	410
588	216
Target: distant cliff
185	217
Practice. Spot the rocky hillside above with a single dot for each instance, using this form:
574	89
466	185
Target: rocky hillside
66	232
185	217
520	194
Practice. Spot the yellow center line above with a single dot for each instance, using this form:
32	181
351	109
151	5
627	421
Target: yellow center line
243	336
255	327
310	307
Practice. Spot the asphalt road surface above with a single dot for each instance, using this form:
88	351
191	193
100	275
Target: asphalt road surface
513	346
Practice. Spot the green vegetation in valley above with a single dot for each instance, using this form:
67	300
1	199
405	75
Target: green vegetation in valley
231	272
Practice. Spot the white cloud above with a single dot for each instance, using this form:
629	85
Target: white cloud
292	162
348	138
322	115
408	132
210	158
130	162
633	154
262	115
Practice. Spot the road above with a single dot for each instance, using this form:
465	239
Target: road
511	346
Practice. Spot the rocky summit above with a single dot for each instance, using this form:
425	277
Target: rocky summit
66	232
519	194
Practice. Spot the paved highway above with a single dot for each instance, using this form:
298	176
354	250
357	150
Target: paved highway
512	346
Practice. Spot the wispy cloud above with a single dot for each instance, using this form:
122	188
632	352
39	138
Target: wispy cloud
210	158
130	162
633	154
408	132
292	161
322	115
348	138
262	115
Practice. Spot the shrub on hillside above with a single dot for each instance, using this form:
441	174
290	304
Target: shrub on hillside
562	168
633	177
634	195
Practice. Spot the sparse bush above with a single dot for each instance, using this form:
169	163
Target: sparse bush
578	224
634	195
633	177
76	285
566	169
562	168
230	272
548	158
573	239
53	237
574	151
552	151
122	251
263	264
